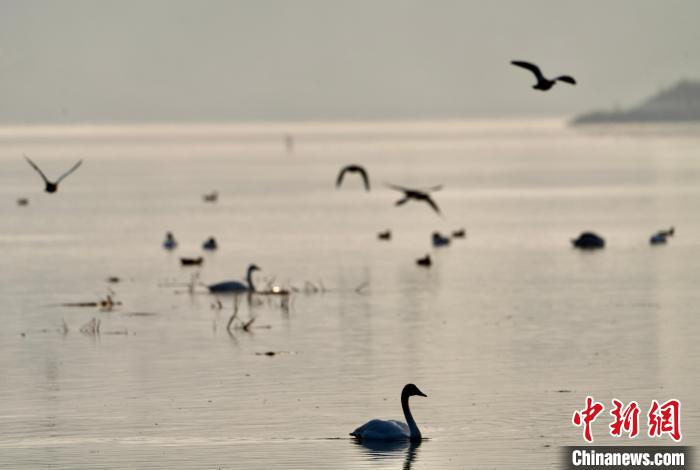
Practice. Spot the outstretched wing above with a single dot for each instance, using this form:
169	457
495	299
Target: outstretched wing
397	187
402	201
566	79
528	66
365	177
75	167
339	180
432	203
38	170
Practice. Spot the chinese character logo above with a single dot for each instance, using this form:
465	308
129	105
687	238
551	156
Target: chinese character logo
586	417
664	418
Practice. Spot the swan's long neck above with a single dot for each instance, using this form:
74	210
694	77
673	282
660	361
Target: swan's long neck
412	426
249	278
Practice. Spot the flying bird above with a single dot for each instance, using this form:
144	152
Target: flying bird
52	187
417	195
543	83
353	169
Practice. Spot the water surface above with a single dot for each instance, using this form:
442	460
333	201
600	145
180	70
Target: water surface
507	333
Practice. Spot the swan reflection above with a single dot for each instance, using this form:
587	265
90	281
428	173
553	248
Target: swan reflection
390	450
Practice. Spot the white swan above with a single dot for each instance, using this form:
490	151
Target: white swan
236	286
393	430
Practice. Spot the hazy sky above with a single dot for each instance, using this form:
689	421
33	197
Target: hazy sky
173	60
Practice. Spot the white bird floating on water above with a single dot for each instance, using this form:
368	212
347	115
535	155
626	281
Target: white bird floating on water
236	286
393	430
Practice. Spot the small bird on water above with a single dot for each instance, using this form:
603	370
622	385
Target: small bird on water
439	239
210	244
543	83
417	195
169	243
424	261
211	197
353	169
386	235
52	187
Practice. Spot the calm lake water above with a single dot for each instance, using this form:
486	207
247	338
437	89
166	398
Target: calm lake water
507	333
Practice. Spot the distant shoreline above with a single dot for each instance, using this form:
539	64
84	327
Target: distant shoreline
678	104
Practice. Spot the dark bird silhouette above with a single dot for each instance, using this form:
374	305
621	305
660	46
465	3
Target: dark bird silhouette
667	233
52	187
23	201
169	243
543	83
353	169
461	233
589	241
440	240
236	286
424	261
191	261
417	195
386	235
210	244
211	197
661	236
658	238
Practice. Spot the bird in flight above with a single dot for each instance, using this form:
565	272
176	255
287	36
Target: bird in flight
543	83
417	195
353	169
52	187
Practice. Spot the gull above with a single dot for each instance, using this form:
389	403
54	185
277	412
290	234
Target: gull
52	187
543	83
417	195
353	169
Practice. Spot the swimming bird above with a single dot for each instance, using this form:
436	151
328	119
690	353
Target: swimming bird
424	261
658	238
393	430
661	236
210	244
169	243
543	83
353	169
236	286
461	233
440	240
22	201
52	187
191	261
589	241
417	195
667	233
211	197
386	235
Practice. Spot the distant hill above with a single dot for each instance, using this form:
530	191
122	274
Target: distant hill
680	103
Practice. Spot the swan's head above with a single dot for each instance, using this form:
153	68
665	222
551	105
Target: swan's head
253	267
409	390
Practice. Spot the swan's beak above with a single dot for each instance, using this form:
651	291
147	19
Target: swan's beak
421	394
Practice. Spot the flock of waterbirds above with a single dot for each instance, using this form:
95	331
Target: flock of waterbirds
375	429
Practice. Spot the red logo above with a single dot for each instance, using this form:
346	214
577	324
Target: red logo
586	417
665	419
661	419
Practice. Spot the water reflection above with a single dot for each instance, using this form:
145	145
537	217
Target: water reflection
390	450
